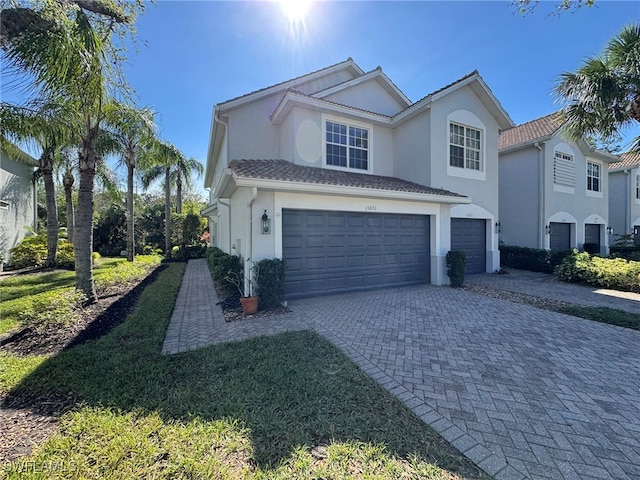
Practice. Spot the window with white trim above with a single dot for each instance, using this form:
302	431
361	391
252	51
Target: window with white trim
593	177
347	146
638	187
4	205
464	147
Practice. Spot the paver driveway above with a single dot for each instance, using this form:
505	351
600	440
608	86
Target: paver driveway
523	392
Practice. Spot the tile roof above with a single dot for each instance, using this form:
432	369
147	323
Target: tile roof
629	160
283	170
526	133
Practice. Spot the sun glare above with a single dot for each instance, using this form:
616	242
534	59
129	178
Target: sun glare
295	10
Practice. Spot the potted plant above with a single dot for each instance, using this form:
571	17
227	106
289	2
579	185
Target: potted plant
248	301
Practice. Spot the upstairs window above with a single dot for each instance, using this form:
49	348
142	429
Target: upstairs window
464	147
593	177
638	187
347	146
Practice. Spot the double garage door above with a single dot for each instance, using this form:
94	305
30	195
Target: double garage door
334	252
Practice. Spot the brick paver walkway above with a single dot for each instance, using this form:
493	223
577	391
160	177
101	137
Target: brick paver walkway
523	392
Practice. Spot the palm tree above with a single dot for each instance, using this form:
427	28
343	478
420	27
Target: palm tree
184	168
132	130
603	96
164	159
73	57
48	125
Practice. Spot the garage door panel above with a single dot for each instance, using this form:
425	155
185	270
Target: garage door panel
469	235
560	237
352	251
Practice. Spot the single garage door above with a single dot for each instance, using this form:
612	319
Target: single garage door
560	237
469	235
334	252
592	234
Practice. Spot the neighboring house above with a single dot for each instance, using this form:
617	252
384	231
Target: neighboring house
17	198
361	188
553	193
624	195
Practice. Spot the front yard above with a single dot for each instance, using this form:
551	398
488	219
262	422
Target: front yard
289	406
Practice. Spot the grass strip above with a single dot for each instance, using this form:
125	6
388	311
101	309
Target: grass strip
288	406
608	315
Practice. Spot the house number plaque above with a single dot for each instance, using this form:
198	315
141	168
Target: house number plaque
370	208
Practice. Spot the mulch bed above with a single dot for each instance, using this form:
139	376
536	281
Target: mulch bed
23	426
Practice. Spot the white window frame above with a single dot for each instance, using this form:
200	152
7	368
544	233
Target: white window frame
600	178
353	124
468	120
637	188
4	205
466	148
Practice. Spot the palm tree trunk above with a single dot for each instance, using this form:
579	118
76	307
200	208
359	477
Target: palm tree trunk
83	246
46	162
131	246
167	211
179	193
68	195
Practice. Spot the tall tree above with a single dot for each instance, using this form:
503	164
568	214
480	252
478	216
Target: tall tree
602	97
184	169
133	131
67	47
165	157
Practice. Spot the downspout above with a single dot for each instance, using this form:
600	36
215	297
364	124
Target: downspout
627	203
541	194
248	272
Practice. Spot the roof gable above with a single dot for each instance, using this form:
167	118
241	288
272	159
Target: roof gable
307	83
379	77
474	81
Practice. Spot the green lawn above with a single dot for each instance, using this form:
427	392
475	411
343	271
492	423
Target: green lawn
289	406
611	316
36	291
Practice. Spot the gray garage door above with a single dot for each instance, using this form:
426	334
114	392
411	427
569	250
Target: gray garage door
592	233
334	252
560	238
469	235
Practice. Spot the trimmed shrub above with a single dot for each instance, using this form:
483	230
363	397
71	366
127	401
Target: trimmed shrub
271	273
591	248
628	253
221	268
456	263
616	273
533	259
195	251
65	257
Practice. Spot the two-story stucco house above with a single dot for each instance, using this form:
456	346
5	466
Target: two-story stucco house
17	198
553	193
624	195
359	187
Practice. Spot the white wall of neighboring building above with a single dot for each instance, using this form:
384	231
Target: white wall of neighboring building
17	207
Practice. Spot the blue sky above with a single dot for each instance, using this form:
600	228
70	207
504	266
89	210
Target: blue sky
193	55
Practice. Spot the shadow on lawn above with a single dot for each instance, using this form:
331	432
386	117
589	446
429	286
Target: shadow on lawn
290	390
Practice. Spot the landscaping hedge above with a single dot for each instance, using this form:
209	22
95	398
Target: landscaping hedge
456	263
533	259
270	285
614	273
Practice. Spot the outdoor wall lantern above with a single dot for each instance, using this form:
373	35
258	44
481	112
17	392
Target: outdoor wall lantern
266	224
610	230
498	227
548	229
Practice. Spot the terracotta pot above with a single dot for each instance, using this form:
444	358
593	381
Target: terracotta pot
249	305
